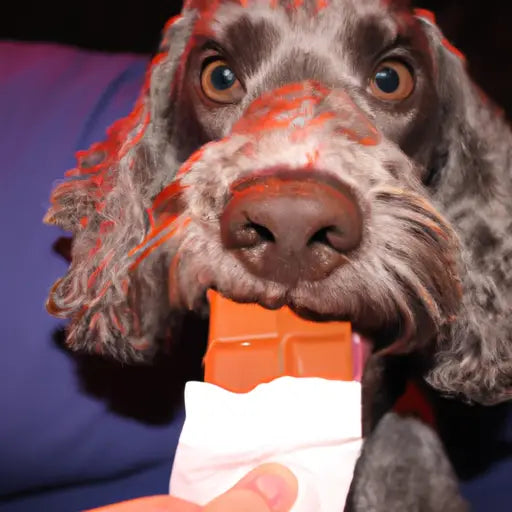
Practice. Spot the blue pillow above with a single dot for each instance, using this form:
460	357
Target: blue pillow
62	447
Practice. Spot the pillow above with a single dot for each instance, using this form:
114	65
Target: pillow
66	444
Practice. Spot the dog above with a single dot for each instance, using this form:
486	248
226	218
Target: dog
333	156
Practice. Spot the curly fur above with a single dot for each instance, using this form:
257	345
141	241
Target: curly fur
397	443
432	275
105	205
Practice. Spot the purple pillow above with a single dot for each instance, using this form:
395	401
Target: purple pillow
64	442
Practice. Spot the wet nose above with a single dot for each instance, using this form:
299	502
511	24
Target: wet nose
287	227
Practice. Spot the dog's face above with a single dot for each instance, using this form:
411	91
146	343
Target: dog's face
300	153
324	120
377	55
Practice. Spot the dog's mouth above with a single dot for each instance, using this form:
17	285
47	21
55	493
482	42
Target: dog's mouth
380	329
319	339
366	336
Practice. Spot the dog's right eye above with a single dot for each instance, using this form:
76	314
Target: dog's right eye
392	81
220	84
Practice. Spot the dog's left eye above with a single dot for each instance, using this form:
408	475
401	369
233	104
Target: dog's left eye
219	82
392	81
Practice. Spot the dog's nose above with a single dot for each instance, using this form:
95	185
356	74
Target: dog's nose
289	227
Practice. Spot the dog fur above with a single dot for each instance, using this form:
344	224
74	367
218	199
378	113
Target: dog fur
433	272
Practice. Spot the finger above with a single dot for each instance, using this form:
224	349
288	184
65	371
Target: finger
238	500
162	503
268	488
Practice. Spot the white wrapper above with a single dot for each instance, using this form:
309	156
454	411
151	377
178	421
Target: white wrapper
311	425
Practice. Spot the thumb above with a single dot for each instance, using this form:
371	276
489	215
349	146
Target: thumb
268	488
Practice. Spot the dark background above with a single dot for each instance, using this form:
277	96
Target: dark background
481	29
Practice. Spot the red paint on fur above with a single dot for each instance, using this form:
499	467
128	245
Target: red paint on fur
152	234
369	141
364	140
117	323
271	185
94	321
207	7
171	21
281	108
137	137
159	242
320	119
98	270
106	226
163	213
321	4
97	180
293	106
196	156
431	18
207	10
449	46
426	14
50	305
125	284
171	191
102	292
311	87
96	248
151	218
120	139
141	345
312	159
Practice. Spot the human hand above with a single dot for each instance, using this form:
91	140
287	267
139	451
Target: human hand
268	488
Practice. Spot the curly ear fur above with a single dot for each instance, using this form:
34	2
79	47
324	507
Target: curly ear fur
472	184
114	307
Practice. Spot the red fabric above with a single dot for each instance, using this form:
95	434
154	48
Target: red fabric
414	402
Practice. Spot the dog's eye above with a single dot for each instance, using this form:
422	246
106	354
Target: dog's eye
220	84
392	81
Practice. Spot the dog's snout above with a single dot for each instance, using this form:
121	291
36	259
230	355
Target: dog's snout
289	227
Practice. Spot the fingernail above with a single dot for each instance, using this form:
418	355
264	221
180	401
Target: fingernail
273	489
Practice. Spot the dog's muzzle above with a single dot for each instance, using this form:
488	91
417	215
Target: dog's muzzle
287	225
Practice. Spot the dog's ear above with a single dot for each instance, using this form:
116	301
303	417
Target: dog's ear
115	290
471	182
